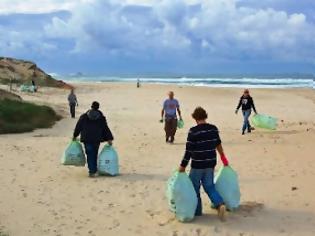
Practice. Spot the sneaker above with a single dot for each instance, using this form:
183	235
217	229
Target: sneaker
92	175
221	212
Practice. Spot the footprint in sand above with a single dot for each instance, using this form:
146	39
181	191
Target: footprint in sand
249	208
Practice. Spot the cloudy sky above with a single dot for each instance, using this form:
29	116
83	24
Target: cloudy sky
161	36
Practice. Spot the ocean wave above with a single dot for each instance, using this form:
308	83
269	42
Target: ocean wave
209	82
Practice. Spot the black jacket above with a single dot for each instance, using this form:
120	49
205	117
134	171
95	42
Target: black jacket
247	103
93	128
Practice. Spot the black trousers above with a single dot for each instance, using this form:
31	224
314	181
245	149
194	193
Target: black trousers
72	110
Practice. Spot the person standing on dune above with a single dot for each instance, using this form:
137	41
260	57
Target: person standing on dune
93	129
169	114
73	102
247	104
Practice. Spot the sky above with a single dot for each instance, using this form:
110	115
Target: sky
154	37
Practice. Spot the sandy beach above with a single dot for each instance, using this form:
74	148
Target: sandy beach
276	169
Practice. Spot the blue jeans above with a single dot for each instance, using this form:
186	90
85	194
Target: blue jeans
246	124
204	177
91	151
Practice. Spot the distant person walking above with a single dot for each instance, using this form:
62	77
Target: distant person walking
202	143
169	114
34	86
73	102
138	83
93	129
247	104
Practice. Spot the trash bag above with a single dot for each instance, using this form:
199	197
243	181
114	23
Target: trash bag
182	197
226	183
264	121
74	155
180	124
27	88
108	161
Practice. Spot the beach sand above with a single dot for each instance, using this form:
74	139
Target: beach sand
38	196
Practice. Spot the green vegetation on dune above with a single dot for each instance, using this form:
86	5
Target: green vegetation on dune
19	116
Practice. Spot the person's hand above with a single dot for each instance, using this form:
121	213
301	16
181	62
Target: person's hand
110	142
181	118
236	111
161	121
224	160
181	169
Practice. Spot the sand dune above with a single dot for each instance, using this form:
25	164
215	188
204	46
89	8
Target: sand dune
276	169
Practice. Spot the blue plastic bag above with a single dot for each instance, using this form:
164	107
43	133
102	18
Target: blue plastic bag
27	88
226	183
182	197
108	161
264	121
74	155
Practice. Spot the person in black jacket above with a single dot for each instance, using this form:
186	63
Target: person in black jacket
247	104
93	129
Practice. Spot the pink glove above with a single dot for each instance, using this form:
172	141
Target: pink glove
224	160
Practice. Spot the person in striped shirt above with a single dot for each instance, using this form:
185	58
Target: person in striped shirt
202	144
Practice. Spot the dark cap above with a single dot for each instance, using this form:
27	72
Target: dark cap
95	105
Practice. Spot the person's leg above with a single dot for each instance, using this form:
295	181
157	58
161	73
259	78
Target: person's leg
91	153
167	129
195	176
173	129
248	123
215	197
209	187
72	111
244	123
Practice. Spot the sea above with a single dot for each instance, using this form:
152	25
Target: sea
270	81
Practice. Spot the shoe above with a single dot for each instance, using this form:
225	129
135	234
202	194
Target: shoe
92	175
243	132
221	212
172	140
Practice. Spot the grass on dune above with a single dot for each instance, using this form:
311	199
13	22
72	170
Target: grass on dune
19	117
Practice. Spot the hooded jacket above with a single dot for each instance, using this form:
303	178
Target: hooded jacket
247	103
92	128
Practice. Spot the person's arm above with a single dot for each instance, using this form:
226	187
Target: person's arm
253	105
221	151
108	134
78	128
162	112
179	111
76	100
222	155
188	153
238	106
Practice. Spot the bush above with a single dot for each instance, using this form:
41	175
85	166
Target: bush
19	116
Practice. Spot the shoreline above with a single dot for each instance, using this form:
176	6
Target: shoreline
74	82
275	168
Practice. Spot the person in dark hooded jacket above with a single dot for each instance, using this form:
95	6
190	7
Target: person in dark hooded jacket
93	129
